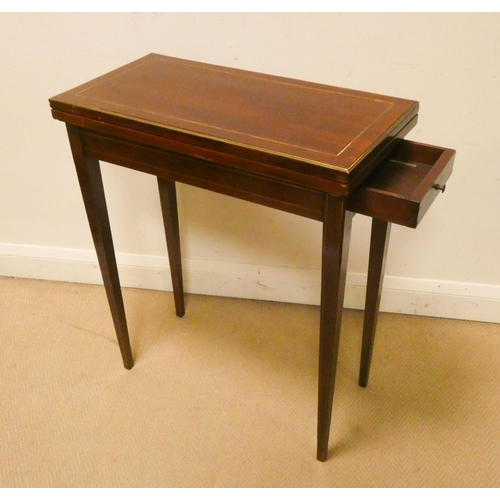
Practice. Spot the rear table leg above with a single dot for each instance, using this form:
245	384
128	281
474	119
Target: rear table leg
168	200
378	252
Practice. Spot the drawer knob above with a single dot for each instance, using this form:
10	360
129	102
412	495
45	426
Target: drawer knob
439	187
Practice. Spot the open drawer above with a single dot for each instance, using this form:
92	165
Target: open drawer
403	187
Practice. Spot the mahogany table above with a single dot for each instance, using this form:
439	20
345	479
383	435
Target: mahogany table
303	148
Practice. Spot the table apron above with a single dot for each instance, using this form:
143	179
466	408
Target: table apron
204	174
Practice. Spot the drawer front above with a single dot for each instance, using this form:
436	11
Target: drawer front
403	187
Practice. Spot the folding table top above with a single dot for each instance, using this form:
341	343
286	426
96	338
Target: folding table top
318	129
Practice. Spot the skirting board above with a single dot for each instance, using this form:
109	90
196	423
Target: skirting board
468	301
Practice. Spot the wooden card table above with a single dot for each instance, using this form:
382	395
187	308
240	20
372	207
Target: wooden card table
308	149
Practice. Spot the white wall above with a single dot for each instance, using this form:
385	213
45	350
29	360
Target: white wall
449	266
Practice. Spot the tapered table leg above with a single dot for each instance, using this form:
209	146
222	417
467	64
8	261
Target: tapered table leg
168	200
378	252
89	177
336	237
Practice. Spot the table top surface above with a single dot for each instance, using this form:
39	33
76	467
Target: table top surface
316	124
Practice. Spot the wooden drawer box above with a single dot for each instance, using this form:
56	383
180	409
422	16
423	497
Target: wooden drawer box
403	188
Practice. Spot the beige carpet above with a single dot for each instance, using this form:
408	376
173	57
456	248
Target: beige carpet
226	396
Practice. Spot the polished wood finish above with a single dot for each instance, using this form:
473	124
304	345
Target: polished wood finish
295	146
404	186
168	200
336	238
89	177
207	175
290	129
378	252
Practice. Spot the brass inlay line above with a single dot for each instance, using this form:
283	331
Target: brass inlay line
255	148
234	143
214	127
246	75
